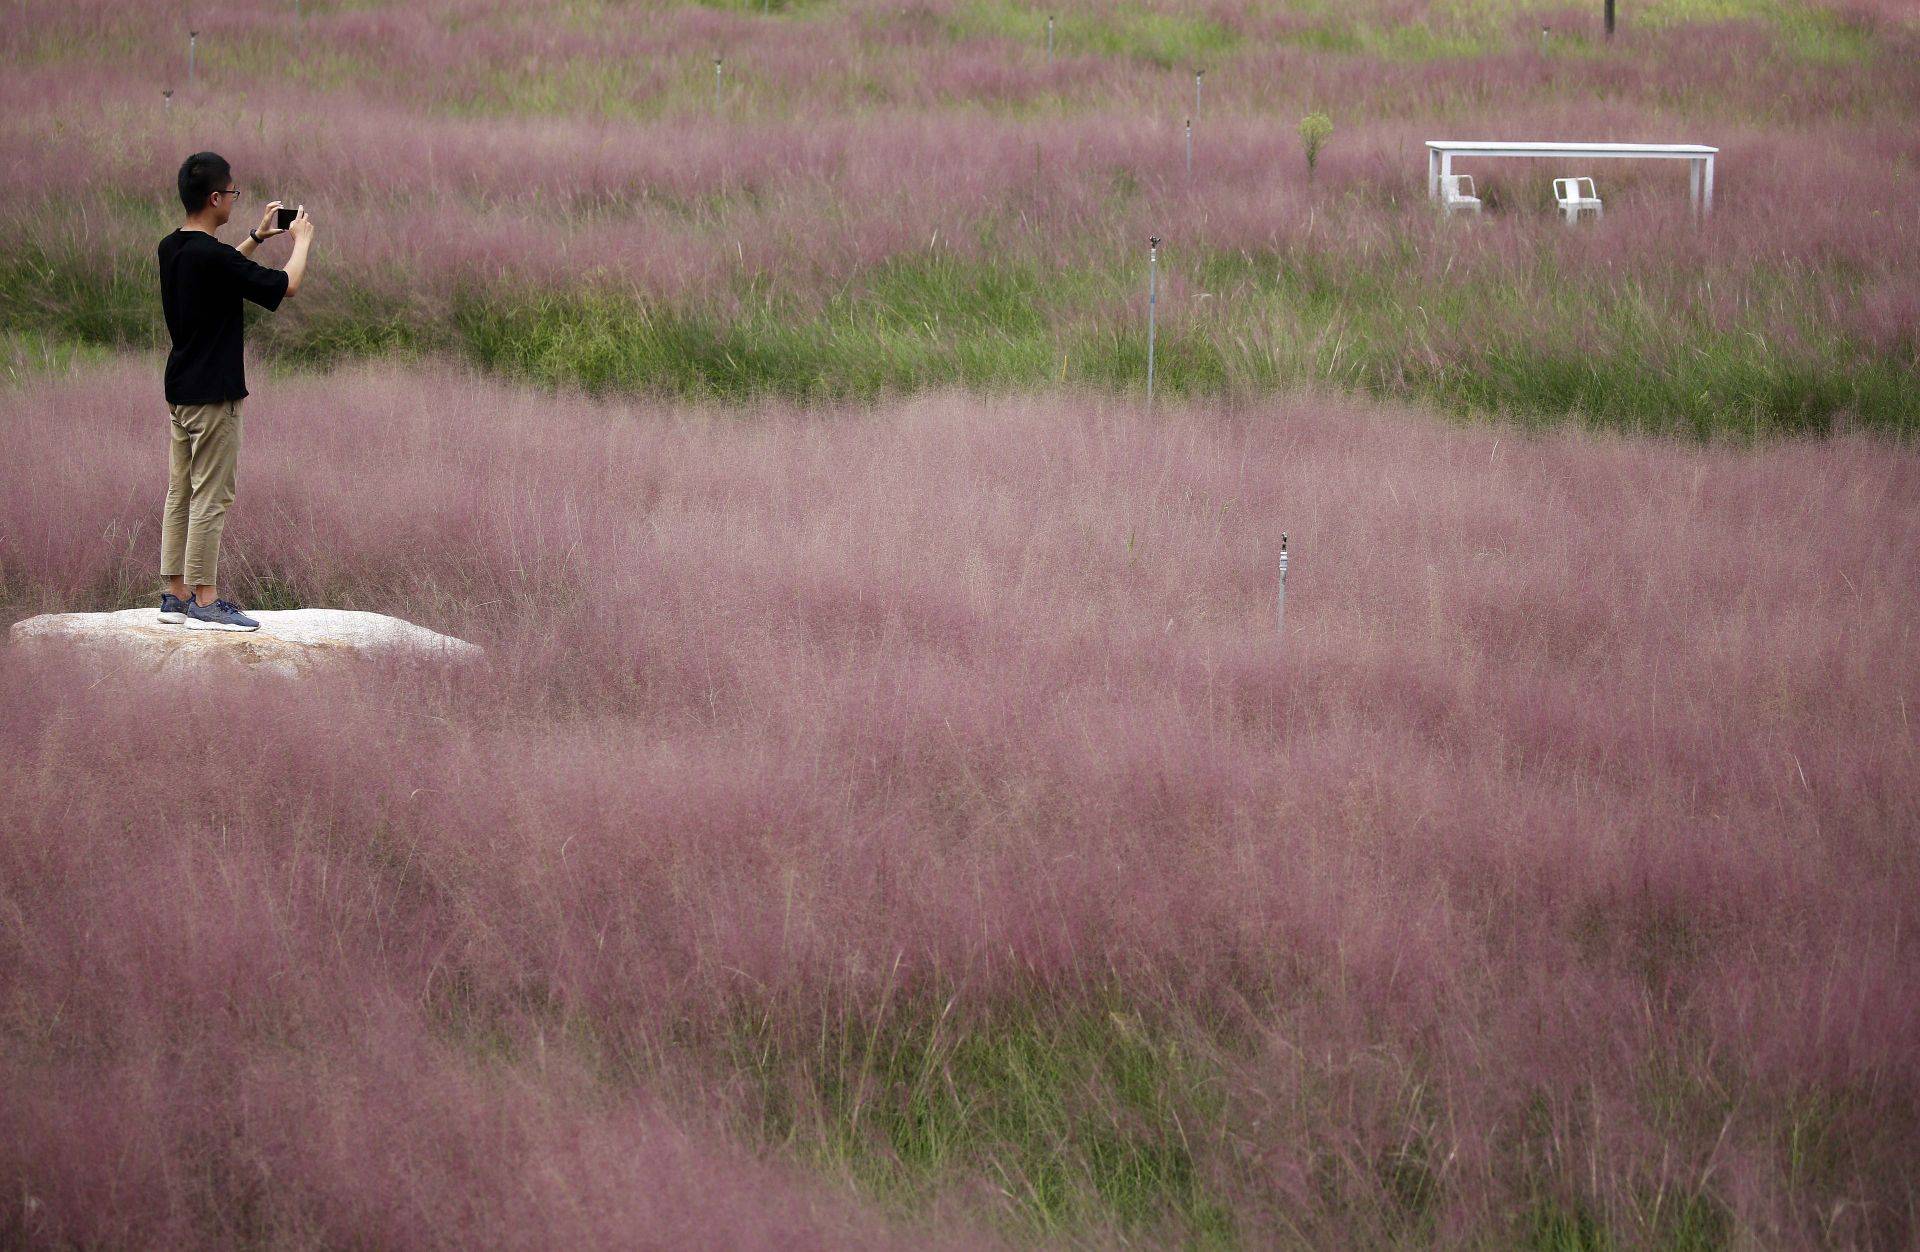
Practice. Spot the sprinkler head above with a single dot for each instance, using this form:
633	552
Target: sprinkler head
1154	242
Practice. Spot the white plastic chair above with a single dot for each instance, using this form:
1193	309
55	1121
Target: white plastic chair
1573	201
1454	198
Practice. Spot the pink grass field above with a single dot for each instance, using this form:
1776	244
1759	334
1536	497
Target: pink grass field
1565	847
1810	237
453	145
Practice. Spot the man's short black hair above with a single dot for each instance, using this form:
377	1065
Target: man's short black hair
201	175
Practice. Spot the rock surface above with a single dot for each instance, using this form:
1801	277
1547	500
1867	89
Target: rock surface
290	641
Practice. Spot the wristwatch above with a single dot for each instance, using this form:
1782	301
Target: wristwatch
252	236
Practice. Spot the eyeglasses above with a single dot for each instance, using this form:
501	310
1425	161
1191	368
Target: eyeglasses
231	193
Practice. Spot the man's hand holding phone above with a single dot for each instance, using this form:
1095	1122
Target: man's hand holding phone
277	219
298	224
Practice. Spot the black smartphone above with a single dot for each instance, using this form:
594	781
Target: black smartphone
284	217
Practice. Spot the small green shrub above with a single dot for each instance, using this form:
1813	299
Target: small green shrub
1315	127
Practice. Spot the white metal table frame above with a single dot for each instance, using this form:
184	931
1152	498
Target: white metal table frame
1440	154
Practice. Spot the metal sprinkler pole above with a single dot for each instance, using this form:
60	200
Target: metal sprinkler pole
716	84
193	39
1196	91
168	95
1280	600
1049	39
1153	265
1189	147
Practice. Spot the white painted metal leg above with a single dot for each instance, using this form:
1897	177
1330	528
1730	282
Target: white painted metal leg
1694	172
1433	174
1706	202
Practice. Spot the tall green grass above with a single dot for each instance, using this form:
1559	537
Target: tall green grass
1081	1114
1267	322
1124	30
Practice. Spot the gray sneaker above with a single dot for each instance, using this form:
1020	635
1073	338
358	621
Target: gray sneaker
220	615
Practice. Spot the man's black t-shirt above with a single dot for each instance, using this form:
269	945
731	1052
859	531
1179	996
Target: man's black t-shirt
202	282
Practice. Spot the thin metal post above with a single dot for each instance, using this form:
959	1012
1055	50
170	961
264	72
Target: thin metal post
193	39
1189	147
1280	598
1153	294
1543	39
1196	91
1049	39
716	84
168	95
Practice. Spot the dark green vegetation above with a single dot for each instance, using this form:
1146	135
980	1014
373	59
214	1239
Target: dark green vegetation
1123	30
1247	323
1082	1113
1086	1113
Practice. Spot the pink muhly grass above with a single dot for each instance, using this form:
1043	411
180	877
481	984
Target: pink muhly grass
1563	850
1557	866
231	1083
851	152
1806	252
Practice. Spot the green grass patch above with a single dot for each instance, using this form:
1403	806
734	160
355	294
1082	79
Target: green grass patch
288	56
550	87
26	355
1081	1115
1078	1115
1541	352
104	299
762	6
1807	31
1612	357
1471	28
1414	41
356	322
907	324
1822	36
1556	1227
1127	30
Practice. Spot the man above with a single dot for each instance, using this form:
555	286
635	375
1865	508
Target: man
202	282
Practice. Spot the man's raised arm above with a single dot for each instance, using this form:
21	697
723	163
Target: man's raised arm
302	232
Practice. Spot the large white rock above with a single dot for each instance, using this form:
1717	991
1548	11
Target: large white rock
289	641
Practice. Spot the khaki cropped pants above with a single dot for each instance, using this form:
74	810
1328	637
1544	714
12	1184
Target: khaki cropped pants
205	457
